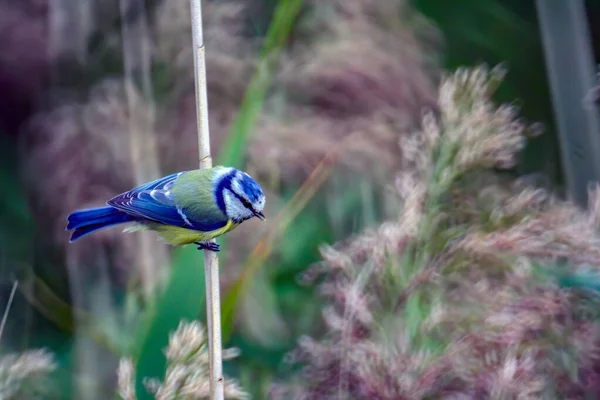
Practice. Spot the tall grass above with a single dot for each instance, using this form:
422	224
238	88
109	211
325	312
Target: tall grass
458	296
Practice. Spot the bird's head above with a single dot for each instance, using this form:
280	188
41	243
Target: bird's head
243	197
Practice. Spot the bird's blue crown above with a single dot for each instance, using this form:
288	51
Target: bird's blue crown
251	188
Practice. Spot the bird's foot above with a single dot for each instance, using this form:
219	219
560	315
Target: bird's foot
208	246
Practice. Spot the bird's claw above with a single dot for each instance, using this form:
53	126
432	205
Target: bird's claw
208	246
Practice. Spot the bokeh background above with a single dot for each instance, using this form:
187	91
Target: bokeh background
310	97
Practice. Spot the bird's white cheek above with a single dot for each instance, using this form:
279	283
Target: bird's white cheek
234	208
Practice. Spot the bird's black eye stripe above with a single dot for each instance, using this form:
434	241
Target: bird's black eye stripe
244	202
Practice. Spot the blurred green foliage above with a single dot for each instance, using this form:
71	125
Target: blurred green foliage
183	299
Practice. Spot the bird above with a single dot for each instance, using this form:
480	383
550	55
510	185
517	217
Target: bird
183	208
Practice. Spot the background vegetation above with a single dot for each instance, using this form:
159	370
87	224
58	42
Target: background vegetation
315	99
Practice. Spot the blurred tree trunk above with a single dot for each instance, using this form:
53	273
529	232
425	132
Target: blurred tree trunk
571	72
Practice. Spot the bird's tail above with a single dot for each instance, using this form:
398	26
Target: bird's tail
87	221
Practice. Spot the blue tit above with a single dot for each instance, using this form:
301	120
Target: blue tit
183	208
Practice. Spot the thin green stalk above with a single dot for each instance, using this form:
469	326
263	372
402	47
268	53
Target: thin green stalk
416	309
234	146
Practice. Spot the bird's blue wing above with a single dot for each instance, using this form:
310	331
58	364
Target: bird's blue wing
162	184
153	201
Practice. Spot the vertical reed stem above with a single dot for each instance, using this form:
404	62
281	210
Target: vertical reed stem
7	309
211	262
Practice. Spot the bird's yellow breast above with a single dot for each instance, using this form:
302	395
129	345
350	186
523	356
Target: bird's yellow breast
179	236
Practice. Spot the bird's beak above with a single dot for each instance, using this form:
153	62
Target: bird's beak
260	215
